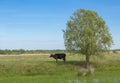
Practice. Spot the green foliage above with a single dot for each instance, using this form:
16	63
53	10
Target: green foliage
22	51
7	51
87	33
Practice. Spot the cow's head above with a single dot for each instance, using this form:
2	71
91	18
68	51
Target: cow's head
51	55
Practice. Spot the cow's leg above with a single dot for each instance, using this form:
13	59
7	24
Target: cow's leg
64	59
56	60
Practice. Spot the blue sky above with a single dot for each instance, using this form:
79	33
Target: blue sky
38	24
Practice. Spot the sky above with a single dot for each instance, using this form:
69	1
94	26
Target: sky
38	24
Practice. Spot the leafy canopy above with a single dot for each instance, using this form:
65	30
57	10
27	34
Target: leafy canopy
87	32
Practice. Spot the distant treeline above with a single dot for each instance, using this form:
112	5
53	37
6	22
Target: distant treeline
22	51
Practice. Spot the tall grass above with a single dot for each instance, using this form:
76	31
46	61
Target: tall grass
43	69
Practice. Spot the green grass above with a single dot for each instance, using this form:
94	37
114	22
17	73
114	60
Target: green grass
43	69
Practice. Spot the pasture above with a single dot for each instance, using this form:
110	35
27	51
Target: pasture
43	69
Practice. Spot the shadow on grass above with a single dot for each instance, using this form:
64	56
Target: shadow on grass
74	63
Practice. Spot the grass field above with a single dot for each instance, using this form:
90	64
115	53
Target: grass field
43	69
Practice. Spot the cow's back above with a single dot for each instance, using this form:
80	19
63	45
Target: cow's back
60	55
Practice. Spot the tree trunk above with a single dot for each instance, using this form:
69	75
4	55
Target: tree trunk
87	61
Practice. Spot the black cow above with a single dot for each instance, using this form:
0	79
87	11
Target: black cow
59	56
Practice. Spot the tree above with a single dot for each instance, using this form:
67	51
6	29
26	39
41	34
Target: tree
87	33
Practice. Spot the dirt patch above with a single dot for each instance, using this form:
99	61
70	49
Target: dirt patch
26	54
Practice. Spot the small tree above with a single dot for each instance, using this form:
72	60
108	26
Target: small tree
87	33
